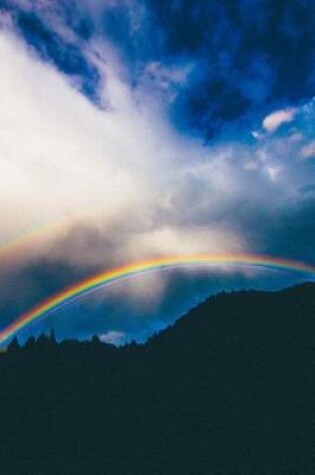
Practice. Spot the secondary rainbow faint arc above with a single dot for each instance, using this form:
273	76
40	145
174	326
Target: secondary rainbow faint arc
102	279
29	237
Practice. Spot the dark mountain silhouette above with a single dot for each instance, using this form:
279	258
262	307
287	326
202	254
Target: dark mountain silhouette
228	389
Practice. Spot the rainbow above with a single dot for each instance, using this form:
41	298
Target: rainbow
31	237
91	284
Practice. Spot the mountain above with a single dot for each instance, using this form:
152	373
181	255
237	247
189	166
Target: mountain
228	389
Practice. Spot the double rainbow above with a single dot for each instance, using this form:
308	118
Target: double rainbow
20	243
102	279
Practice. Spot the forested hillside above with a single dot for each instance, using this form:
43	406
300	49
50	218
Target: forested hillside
228	389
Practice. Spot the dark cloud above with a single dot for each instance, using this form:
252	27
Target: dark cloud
285	230
249	56
23	287
292	232
254	54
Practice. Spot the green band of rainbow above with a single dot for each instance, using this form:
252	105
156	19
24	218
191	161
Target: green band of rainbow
100	280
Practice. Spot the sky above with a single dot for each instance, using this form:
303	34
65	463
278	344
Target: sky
136	129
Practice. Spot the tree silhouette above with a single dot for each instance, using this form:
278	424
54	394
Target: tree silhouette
52	337
228	389
14	344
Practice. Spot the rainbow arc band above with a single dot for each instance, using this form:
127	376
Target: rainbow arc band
32	237
91	284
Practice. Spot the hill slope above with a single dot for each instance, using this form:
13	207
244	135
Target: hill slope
228	389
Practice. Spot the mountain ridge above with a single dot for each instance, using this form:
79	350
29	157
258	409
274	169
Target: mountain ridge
228	389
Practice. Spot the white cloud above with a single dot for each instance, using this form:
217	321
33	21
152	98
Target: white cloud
62	158
308	151
168	79
273	171
251	165
274	120
125	183
257	135
113	337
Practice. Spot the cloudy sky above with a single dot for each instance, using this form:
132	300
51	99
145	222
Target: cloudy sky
132	129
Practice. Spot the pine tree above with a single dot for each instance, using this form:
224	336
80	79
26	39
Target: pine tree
52	337
14	345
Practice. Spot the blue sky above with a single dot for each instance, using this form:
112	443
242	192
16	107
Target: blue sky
133	129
